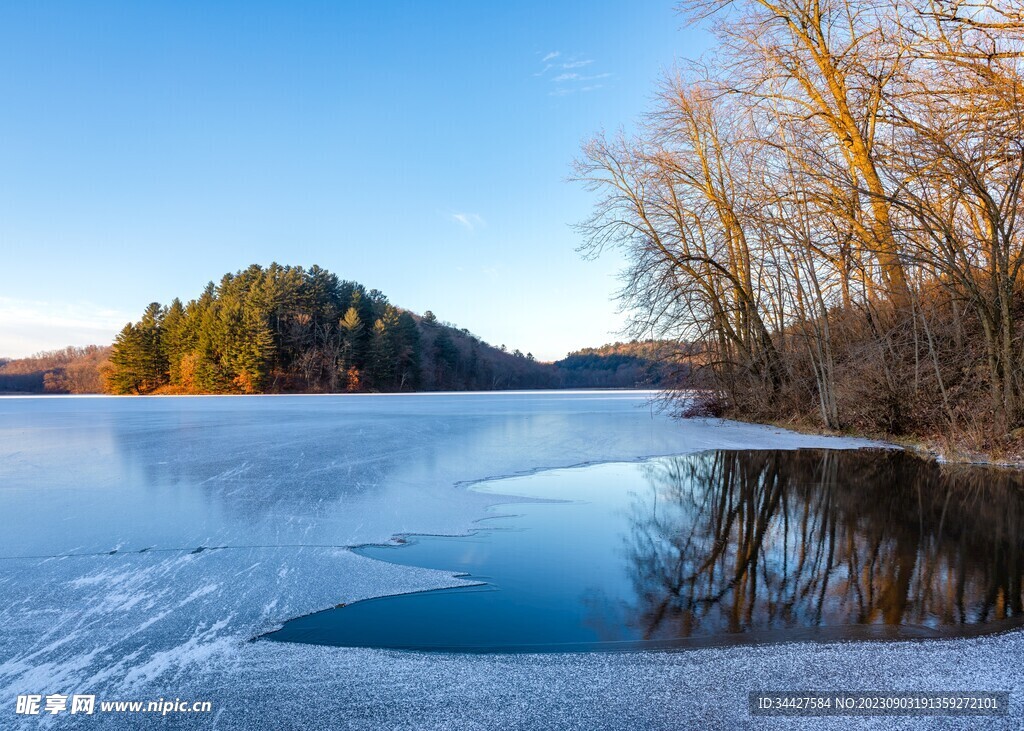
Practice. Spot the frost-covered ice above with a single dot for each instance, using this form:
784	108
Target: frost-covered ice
146	540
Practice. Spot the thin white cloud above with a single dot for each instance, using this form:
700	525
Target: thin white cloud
469	221
578	77
29	326
565	78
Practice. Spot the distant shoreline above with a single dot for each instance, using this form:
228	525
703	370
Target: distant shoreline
509	392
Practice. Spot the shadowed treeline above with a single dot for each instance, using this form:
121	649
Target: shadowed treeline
652	363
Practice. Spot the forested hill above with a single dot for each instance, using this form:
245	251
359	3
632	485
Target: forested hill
294	330
289	329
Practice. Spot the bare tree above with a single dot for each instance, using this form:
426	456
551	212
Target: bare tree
831	205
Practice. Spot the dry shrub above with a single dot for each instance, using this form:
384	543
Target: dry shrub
918	371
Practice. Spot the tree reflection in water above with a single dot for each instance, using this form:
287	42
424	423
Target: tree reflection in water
713	548
746	541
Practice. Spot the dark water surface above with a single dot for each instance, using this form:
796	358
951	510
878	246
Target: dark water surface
713	548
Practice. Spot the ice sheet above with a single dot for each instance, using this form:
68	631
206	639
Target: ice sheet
146	540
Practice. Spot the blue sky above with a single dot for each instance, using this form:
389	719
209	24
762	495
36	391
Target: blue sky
421	148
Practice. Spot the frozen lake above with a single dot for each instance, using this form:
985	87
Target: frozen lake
715	548
145	541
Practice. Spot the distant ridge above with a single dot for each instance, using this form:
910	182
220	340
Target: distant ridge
632	364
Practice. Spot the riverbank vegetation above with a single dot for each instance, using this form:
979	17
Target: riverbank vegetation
829	209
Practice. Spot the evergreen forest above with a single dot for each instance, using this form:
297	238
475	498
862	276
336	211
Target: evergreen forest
290	329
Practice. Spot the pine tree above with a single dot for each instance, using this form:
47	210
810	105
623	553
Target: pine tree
174	337
206	372
352	339
138	363
154	359
387	350
124	372
446	360
364	305
410	369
